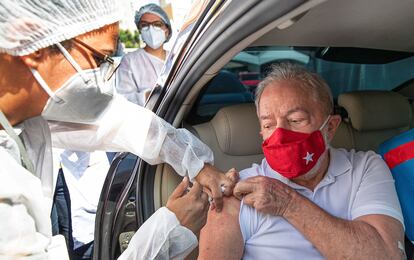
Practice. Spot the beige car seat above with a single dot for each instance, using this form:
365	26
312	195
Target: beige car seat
233	135
373	117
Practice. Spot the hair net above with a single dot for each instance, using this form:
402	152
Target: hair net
157	10
29	25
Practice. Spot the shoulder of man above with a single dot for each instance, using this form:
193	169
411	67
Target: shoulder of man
254	170
354	157
359	163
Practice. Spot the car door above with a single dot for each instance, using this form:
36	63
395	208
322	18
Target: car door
214	32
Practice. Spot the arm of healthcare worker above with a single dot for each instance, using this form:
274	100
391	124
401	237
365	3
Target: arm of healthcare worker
125	126
129	127
162	236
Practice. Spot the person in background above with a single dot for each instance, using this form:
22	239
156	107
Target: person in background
140	69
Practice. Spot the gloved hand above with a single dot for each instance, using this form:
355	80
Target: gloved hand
190	205
216	183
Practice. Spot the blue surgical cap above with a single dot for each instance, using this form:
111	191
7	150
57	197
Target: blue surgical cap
157	10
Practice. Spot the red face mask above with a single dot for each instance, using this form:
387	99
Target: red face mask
293	154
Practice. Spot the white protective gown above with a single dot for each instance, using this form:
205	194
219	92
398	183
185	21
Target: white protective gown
137	74
123	127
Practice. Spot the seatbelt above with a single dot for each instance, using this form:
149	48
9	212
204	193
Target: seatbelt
27	163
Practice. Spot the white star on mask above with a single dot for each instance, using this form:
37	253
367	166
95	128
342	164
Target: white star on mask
308	157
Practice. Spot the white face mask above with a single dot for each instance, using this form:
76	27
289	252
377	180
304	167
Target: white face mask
153	36
82	98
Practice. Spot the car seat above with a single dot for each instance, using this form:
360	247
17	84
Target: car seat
398	153
233	135
223	90
373	117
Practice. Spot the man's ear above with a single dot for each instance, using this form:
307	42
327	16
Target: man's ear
333	125
33	60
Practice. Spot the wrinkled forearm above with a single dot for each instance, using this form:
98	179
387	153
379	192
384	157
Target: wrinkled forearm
337	238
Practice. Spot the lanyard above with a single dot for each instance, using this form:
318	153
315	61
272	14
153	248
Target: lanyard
23	153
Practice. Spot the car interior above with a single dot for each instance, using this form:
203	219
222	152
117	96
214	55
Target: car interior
369	117
230	127
370	74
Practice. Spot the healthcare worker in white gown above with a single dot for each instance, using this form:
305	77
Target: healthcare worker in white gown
139	70
83	174
55	77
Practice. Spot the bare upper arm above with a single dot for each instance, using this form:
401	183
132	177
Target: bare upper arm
221	237
390	230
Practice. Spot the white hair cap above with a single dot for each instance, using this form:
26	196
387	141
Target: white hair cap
29	25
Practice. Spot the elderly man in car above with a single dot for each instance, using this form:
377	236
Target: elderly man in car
306	200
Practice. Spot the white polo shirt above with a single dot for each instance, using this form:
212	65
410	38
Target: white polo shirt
356	184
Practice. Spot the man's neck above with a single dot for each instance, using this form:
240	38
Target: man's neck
311	183
159	53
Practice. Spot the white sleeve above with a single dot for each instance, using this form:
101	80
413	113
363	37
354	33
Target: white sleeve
128	127
25	228
376	193
160	237
126	83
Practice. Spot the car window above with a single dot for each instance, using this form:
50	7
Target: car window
344	69
381	70
345	77
225	89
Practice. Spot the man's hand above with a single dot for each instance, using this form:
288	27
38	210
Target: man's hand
213	180
191	206
266	195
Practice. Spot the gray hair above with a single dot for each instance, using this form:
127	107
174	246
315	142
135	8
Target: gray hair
311	82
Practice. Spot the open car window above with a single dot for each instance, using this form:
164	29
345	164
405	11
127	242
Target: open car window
345	69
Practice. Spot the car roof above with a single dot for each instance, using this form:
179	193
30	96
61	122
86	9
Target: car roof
379	24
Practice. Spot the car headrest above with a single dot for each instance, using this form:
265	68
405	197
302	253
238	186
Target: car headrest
376	110
237	130
225	82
